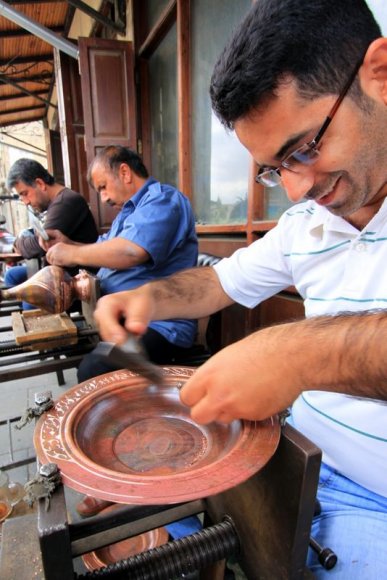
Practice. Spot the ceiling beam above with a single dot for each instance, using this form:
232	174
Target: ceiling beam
39	78
12	122
21	110
38	30
48	57
30	94
22	32
4	79
20	2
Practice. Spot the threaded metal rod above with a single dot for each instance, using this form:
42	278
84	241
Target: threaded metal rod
175	558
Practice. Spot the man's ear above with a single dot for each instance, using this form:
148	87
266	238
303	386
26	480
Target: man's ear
373	72
125	173
40	183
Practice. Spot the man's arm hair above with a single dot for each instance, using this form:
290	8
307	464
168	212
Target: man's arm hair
192	293
344	353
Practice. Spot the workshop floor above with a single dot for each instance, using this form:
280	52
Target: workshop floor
17	445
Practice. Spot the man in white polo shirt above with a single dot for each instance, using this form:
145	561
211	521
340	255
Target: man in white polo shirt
304	86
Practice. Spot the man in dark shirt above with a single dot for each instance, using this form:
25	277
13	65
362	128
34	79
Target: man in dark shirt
65	209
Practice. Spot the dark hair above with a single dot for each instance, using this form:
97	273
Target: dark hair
318	43
113	155
27	170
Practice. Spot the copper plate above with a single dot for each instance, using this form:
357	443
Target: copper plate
125	548
118	438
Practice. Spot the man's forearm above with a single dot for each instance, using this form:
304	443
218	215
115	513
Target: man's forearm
264	373
346	353
190	294
103	255
193	293
117	253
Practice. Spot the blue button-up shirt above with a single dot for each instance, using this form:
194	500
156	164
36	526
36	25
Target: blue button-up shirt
158	218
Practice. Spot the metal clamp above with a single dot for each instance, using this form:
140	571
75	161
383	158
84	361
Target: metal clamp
43	484
43	402
283	415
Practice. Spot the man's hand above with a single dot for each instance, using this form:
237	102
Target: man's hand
62	255
55	236
249	379
133	308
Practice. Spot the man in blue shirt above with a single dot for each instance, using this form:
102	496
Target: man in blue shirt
152	237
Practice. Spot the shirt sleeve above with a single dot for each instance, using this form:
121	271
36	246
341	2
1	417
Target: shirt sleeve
157	225
28	247
257	272
70	214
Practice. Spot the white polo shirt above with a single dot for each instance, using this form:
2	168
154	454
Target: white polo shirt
335	268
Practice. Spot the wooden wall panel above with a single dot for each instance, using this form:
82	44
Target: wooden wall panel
109	104
54	155
71	123
281	308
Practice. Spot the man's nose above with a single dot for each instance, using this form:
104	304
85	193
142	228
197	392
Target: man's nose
297	185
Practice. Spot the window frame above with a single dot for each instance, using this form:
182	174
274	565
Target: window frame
146	42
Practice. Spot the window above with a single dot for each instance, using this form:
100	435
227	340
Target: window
220	165
184	143
163	110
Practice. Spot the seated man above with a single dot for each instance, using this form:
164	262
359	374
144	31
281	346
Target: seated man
284	84
67	211
152	236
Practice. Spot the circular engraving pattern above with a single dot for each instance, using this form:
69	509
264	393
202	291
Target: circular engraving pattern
160	446
120	439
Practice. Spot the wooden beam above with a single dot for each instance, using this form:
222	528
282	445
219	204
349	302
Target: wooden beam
164	23
48	57
21	110
24	96
23	32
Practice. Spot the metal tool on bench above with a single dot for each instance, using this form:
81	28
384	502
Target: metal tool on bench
131	356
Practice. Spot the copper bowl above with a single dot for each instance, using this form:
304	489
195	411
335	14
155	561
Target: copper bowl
125	548
118	438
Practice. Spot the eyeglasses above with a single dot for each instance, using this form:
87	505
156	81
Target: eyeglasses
308	153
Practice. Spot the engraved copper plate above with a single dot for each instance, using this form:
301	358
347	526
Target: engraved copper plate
125	548
118	438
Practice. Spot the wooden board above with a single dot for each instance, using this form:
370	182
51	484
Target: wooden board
40	330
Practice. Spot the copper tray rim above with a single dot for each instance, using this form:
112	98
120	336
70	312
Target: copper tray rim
96	388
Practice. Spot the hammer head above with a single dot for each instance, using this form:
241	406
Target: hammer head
131	356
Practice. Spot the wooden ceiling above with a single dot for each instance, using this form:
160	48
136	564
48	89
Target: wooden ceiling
26	62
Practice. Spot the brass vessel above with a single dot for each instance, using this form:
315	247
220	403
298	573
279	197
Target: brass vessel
51	289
